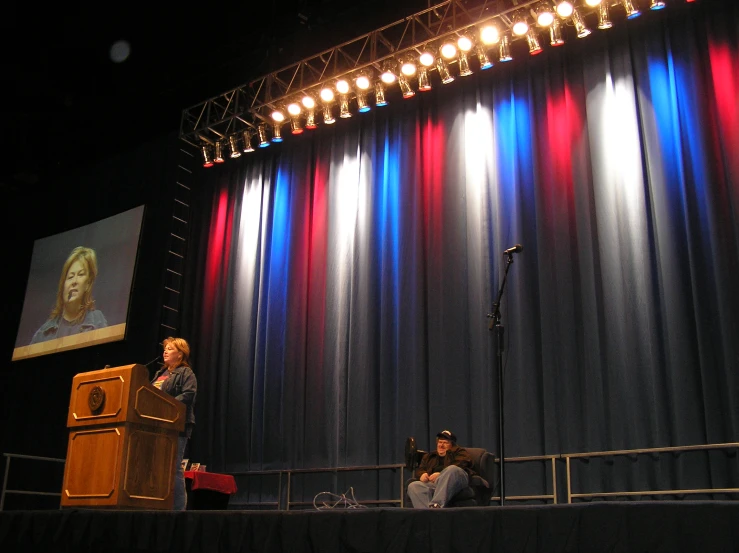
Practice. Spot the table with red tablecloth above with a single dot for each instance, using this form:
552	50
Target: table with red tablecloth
208	490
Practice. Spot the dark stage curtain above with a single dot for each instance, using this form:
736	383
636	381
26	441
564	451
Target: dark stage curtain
344	277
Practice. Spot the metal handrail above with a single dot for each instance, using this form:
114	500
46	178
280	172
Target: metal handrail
546	497
552	459
6	491
645	451
399	501
288	474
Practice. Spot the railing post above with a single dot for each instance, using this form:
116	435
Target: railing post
5	480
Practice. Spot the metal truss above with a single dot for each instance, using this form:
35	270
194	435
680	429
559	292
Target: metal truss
246	106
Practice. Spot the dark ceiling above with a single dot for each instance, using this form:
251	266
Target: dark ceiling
68	103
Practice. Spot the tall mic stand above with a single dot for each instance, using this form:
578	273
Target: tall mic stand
498	330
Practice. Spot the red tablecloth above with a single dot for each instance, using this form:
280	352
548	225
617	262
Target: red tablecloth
223	483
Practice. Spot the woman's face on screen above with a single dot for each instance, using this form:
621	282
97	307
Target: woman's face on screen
76	282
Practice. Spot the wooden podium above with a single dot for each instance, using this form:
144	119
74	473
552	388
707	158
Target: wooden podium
122	441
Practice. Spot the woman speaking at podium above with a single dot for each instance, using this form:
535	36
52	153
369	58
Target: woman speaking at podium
177	379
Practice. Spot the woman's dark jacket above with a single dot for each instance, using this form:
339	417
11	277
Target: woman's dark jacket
183	385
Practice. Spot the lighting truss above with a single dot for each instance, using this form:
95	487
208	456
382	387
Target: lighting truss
247	108
250	104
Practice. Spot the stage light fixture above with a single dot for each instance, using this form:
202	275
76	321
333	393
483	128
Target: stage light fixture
328	117
342	86
362	81
344	112
276	134
427	58
405	87
380	94
631	10
309	104
657	5
443	70
520	25
278	116
544	15
555	33
207	156
388	76
310	119
233	142
464	65
604	18
218	158
423	79
490	34
246	137
505	48
464	43
448	50
564	8
533	41
580	27
327	95
296	127
362	104
593	3
308	101
262	130
408	67
482	55
295	124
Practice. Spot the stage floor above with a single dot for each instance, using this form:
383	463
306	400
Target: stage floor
587	527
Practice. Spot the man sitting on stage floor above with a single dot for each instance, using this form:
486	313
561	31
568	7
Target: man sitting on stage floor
441	474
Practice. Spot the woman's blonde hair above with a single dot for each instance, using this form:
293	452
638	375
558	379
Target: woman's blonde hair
89	259
180	345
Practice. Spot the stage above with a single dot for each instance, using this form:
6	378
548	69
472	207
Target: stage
616	527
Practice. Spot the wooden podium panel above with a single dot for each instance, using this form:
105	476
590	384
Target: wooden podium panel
122	441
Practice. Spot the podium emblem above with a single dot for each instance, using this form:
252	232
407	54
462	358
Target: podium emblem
96	398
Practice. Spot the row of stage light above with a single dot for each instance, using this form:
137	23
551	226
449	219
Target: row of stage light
549	16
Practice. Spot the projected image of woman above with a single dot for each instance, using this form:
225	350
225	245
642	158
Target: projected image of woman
74	311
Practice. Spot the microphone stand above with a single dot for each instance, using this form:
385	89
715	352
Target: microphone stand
496	326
